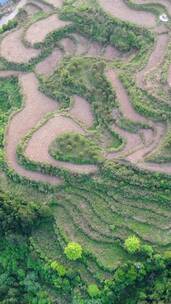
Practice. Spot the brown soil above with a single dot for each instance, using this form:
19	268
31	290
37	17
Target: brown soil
4	74
36	106
55	3
111	53
68	46
95	49
13	50
135	149
132	142
142	153
123	99
121	11
82	44
156	58
38	145
38	31
42	6
81	111
31	9
48	66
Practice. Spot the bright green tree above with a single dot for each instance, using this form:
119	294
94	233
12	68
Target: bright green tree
73	251
132	244
93	290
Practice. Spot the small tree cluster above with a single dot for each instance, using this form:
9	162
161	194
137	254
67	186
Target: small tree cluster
73	251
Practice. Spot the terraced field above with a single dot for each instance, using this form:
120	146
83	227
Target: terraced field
88	68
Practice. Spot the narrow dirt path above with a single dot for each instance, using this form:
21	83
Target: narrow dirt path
36	106
38	145
13	50
120	10
38	31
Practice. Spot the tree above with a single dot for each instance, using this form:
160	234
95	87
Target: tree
93	290
132	244
147	250
73	251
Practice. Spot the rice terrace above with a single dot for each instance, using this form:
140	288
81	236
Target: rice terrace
85	152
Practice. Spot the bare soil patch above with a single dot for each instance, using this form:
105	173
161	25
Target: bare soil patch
47	66
31	9
122	96
55	3
68	46
36	106
95	49
132	142
82	44
111	53
38	31
4	74
13	50
142	153
120	10
38	145
81	111
156	58
44	7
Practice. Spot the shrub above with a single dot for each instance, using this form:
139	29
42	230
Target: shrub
59	268
93	290
132	244
73	251
147	250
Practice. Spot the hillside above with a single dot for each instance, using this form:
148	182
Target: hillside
85	152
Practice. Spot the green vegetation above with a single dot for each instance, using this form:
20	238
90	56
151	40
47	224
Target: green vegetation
93	291
163	152
10	100
73	251
9	26
132	244
85	77
75	148
94	239
90	20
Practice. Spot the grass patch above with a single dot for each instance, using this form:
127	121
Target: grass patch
75	148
